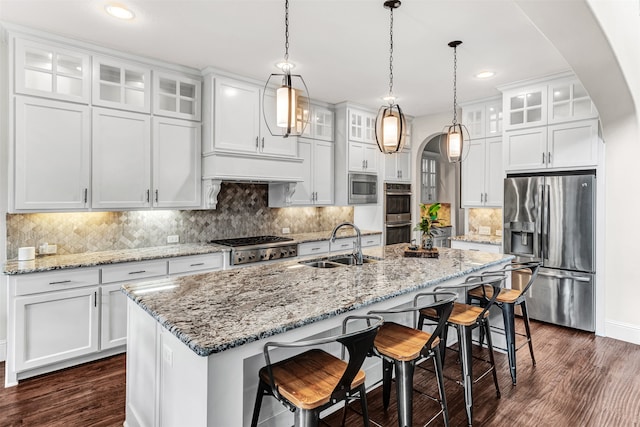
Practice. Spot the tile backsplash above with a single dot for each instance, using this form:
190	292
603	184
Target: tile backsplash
242	211
484	217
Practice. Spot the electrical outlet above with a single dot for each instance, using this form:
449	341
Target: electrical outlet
174	238
484	230
286	230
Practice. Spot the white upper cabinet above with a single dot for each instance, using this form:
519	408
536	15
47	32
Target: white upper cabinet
319	122
568	100
525	107
121	159
397	166
176	95
52	155
51	71
482	174
363	157
238	123
362	126
176	163
483	119
121	84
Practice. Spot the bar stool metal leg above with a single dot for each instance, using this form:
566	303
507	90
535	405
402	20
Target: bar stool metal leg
306	418
527	327
509	318
491	358
387	375
466	364
362	391
440	380
404	391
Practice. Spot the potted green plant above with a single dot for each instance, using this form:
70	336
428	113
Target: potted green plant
428	216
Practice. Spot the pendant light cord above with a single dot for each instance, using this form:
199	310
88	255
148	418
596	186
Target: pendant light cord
286	31
455	95
391	100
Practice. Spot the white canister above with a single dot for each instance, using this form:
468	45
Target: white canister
27	253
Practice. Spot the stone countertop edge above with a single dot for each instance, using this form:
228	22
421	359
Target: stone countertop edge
479	238
94	259
246	338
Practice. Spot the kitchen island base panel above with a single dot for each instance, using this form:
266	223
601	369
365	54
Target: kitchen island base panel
169	384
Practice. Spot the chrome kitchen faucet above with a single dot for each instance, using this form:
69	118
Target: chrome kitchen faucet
357	245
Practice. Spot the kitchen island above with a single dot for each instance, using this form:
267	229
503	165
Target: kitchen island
195	343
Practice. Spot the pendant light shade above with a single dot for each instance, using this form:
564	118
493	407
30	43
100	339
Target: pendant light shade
455	137
287	111
390	122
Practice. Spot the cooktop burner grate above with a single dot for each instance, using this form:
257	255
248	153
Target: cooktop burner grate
251	241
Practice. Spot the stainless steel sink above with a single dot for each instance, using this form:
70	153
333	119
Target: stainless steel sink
320	264
349	260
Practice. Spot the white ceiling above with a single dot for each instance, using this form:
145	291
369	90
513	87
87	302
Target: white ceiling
341	47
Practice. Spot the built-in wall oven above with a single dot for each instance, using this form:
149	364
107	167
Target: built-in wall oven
363	188
397	213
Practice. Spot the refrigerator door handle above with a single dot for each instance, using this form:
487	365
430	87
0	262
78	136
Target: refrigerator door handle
539	253
564	276
544	238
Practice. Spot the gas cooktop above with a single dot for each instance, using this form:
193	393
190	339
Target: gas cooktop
251	241
259	248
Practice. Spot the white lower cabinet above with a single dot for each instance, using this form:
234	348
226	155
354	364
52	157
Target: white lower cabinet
323	247
476	246
55	326
113	319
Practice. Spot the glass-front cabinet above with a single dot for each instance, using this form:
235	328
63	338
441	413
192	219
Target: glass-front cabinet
51	72
525	107
176	96
569	100
121	85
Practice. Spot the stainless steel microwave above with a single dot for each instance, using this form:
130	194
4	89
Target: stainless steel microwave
363	188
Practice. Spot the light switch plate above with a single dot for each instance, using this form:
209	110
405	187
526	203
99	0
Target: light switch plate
484	230
173	238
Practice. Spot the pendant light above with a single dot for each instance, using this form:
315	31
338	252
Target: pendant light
291	97
390	122
453	142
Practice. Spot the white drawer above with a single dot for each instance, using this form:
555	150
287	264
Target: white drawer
195	263
374	240
133	271
344	244
313	248
55	280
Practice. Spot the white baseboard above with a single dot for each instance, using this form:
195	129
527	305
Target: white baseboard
623	331
3	350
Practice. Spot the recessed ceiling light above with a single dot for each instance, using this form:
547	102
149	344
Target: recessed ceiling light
119	11
485	74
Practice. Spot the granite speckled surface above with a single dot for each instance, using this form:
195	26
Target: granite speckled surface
217	311
479	238
92	259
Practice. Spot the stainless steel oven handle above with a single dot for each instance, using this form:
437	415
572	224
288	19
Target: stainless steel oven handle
564	276
405	224
393	193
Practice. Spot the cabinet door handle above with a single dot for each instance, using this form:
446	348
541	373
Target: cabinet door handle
196	264
156	196
366	164
148	191
138	272
543	159
95	299
263	142
363	164
257	146
60	282
549	157
86	191
486	198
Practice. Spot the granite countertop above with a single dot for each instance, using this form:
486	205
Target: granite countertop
479	238
217	311
92	259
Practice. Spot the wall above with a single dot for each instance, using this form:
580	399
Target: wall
242	211
610	71
484	217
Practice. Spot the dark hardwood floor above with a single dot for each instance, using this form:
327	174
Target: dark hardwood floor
580	380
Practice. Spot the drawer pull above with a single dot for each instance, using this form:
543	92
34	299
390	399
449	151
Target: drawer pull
138	272
315	249
197	264
60	282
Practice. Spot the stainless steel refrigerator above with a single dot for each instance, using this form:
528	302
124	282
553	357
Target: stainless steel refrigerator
551	218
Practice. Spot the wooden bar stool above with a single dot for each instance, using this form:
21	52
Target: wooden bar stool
400	347
465	318
507	300
314	380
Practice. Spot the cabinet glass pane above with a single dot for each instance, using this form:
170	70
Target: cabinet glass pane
69	65
134	97
582	107
534	115
561	110
69	85
517	117
187	90
561	94
38	80
109	74
579	91
534	98
167	103
168	86
109	92
186	106
517	102
134	79
38	59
